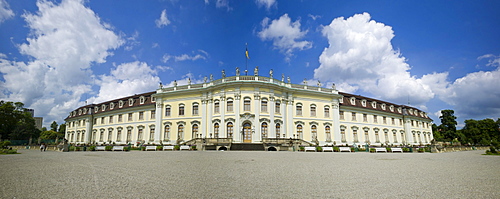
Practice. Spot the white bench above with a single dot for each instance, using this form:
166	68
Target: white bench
150	148
184	147
309	148
380	150
327	148
397	150
100	148
168	148
117	148
346	149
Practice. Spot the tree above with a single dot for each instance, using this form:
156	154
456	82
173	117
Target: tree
54	126
448	125
16	122
436	133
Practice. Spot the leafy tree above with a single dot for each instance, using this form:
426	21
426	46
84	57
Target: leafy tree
436	133
49	135
62	129
448	125
16	122
54	126
482	132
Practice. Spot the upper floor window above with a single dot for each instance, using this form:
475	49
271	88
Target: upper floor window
263	105
142	99
120	118
168	111
130	117
130	102
141	115
341	114
110	119
246	104
313	110
216	107
195	108
102	120
384	120
327	111
153	114
112	105
229	105
264	130
298	109
353	118
181	109
120	104
277	107
365	118
374	118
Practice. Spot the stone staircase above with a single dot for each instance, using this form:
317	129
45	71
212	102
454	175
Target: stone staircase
247	147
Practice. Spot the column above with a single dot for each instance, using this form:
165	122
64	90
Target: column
204	121
209	126
88	128
289	117
158	119
222	109
335	129
272	126
237	127
256	136
408	133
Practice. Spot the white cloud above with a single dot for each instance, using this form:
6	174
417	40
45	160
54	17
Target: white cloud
163	20
126	79
132	41
222	4
185	80
65	40
201	55
492	59
285	35
266	3
314	17
5	11
361	56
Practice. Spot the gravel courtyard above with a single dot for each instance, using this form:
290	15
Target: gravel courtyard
245	174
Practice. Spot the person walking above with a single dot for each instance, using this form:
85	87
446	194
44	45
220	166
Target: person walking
42	147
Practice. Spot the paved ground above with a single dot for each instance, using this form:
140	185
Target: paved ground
240	174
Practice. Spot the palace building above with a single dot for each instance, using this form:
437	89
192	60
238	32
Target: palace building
248	109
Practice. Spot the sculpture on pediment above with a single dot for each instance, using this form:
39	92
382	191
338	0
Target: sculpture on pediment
189	80
211	77
223	74
175	83
282	77
205	79
271	73
237	71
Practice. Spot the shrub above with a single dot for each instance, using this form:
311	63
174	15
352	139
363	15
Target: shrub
353	149
193	147
388	149
336	149
318	148
127	148
143	148
8	151
71	148
301	148
372	150
92	148
77	148
5	144
108	148
406	149
420	150
159	148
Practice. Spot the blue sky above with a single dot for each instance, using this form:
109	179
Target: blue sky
55	55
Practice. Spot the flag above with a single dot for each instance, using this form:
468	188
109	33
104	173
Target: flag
246	53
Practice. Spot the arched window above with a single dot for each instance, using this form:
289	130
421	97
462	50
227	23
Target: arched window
367	137
168	111
277	108
195	108
278	130
110	134
246	104
327	111
299	131
151	134
139	134
119	134
298	109
166	133
181	109
377	137
328	134
313	110
230	130
129	134
180	132
195	131
83	136
263	130
314	132
229	105
395	136
216	130
355	134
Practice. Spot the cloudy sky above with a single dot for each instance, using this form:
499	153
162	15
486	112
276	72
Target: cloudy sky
56	55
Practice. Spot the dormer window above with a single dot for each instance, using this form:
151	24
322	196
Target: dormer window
153	99
374	104
353	101
130	102
399	110
383	106
84	111
411	111
363	102
391	108
96	109
103	107
142	99
120	103
112	105
341	100
80	112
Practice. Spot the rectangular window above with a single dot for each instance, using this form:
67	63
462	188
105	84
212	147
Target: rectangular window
263	106
365	118
277	108
353	118
111	119
119	135
102	120
120	118
216	107
141	115
327	112
374	119
384	119
341	113
299	110
229	106
167	111
153	114
393	121
246	105
130	117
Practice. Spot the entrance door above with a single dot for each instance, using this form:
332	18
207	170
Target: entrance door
247	133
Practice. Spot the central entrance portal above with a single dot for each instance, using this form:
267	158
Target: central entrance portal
247	133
